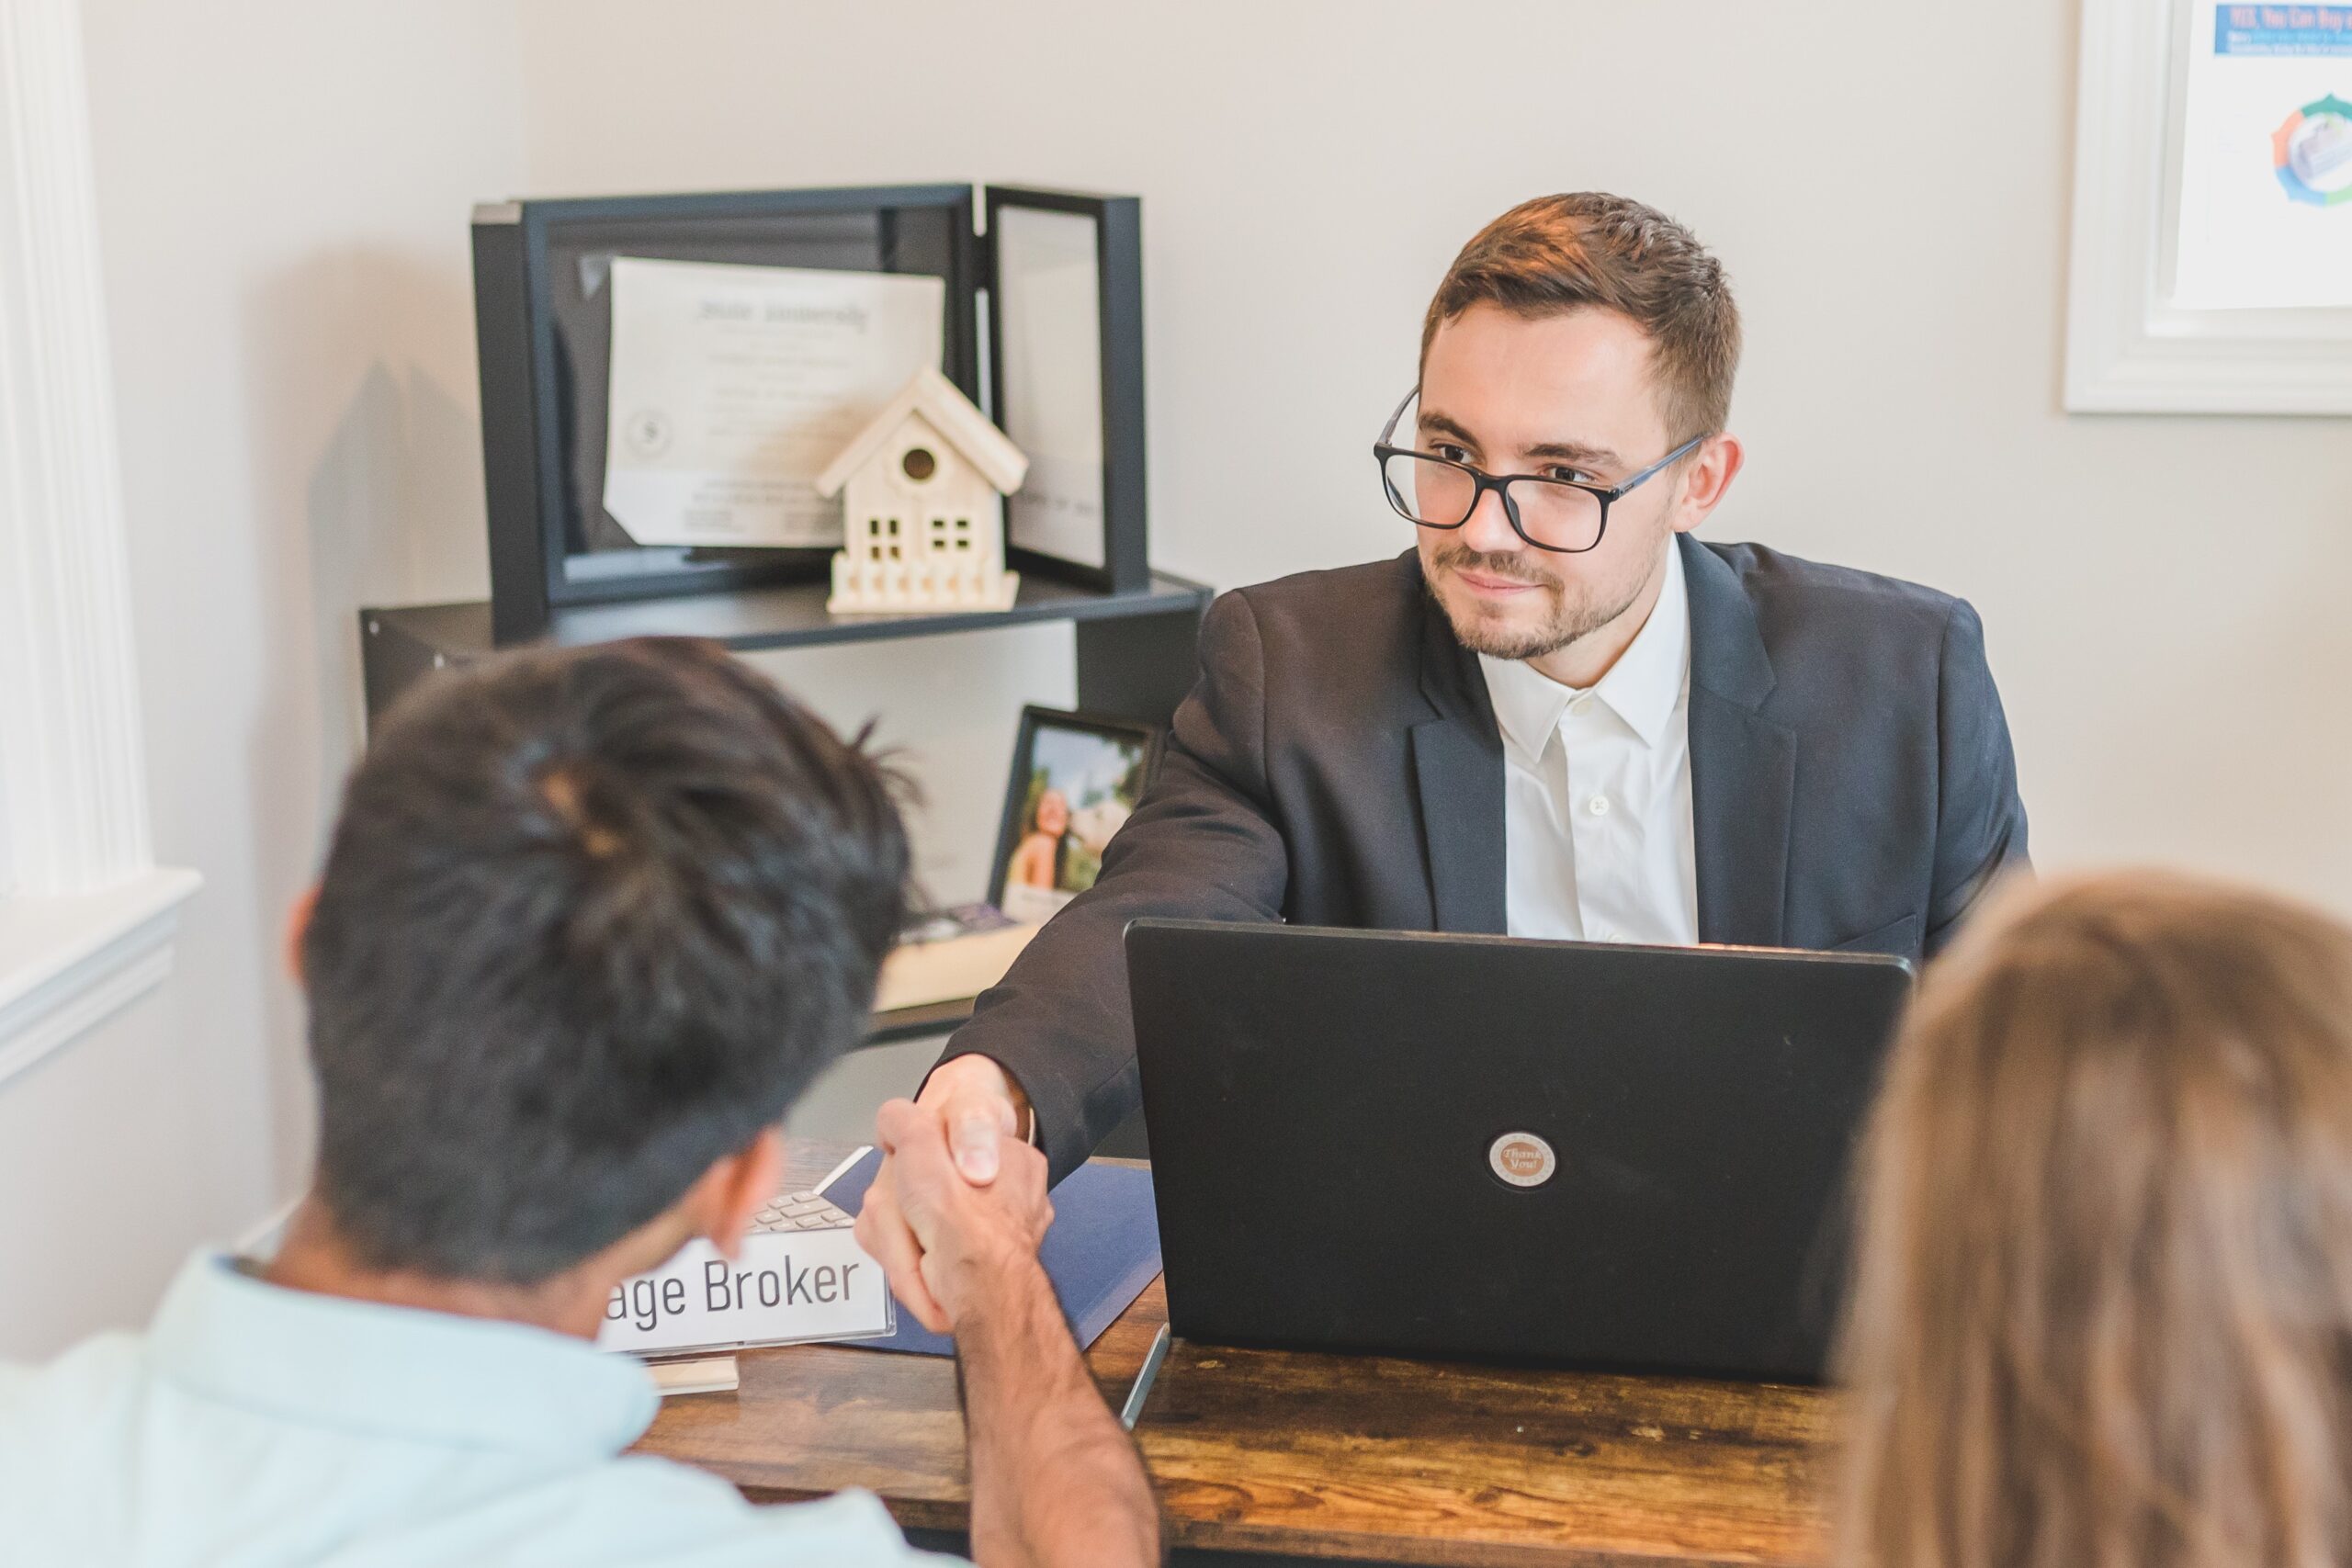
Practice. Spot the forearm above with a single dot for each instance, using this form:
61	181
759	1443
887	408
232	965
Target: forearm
1203	845
1060	1022
1056	1480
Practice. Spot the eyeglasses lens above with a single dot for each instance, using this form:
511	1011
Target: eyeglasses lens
1437	494
1428	490
1560	517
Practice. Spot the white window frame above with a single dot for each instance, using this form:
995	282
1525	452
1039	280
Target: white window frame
2129	348
87	917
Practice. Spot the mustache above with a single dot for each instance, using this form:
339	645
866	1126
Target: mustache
1508	564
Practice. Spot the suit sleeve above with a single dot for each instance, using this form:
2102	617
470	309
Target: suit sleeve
1201	844
1980	821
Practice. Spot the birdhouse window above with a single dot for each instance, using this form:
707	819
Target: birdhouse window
919	464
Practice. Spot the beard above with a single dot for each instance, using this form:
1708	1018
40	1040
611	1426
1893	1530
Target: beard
1576	611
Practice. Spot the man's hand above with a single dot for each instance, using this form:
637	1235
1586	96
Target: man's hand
945	1241
981	1107
1055	1483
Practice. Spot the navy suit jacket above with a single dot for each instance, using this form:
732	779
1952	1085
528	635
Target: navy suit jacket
1338	763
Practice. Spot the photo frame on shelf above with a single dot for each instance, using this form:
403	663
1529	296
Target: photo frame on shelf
1065	330
1075	779
2211	189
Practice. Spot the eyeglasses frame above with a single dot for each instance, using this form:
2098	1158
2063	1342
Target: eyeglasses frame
1483	481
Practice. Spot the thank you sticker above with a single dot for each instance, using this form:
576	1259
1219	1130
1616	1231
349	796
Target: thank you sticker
1522	1159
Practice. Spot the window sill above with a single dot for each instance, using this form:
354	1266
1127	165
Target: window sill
66	963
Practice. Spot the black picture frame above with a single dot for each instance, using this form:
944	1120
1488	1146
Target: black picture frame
1118	228
541	412
1149	737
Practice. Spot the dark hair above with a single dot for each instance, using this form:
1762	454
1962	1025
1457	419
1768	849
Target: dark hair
591	918
1587	248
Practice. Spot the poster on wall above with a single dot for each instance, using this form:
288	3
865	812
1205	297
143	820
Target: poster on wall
2266	172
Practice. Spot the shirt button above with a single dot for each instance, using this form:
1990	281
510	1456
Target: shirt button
1598	806
1580	703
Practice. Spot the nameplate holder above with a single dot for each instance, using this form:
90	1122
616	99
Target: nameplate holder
782	1288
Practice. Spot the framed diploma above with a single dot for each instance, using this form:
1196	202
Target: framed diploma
660	373
2212	269
1065	325
664	377
734	387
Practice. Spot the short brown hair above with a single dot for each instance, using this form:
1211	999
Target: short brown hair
2105	1288
1557	252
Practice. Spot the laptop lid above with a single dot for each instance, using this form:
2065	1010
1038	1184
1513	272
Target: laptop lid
1583	1154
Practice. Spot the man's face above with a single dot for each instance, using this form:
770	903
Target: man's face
1565	396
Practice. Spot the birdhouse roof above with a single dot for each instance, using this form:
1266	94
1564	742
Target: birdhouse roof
950	413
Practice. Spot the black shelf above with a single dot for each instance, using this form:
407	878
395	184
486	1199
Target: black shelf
794	616
1134	649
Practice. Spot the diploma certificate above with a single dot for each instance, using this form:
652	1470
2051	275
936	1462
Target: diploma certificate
732	387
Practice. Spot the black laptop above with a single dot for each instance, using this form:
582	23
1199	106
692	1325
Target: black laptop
1571	1153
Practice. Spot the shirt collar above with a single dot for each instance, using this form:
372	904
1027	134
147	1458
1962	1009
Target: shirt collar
1644	687
395	1371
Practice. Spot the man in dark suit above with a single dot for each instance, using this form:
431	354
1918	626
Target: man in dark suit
1559	714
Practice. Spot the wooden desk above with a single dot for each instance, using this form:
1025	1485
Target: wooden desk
1265	1456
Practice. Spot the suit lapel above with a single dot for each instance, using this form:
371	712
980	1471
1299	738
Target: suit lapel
1743	772
1458	768
1743	765
1461	824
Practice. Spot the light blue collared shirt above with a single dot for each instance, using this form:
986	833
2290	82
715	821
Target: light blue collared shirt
254	1427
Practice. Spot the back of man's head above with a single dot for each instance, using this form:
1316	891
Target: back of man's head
591	920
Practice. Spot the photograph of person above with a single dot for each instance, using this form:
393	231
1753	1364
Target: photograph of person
1075	781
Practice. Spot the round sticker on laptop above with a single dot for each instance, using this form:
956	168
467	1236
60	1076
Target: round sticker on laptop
1522	1159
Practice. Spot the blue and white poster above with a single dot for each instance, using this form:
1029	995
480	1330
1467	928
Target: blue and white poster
2266	183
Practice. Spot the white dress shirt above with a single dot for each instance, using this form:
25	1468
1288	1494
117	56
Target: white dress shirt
256	1427
1597	834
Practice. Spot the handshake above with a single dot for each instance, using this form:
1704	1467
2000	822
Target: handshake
955	1216
956	1212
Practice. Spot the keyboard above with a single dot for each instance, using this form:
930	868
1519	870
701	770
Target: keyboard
801	1212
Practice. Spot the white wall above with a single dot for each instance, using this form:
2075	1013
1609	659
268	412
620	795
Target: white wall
1888	184
282	190
283	197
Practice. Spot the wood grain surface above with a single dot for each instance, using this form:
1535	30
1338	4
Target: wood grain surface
1277	1452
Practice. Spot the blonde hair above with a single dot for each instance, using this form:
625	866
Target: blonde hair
2105	1271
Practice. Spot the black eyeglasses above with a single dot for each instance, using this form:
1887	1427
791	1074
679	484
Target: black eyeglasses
1567	516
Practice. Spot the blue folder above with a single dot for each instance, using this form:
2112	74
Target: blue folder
1100	1251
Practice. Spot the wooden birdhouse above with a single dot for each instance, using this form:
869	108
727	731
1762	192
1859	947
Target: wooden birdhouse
922	490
